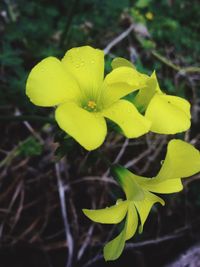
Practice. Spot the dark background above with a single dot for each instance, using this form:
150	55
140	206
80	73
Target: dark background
32	232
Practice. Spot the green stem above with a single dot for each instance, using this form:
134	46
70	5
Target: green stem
10	11
169	63
69	21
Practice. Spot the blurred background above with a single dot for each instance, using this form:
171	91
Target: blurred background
44	173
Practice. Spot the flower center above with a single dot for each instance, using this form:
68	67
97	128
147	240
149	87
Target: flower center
91	105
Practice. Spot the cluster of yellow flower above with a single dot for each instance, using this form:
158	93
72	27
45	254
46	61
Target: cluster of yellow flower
84	98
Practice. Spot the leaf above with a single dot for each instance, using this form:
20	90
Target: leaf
142	3
30	147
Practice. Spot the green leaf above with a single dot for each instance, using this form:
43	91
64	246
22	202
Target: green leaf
30	147
142	3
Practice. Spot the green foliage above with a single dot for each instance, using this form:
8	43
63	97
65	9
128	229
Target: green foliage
31	31
30	147
142	3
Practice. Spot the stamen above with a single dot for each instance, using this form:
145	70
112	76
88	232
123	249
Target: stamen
91	104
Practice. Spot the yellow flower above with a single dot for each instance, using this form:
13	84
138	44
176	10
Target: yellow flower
76	85
168	114
182	160
149	15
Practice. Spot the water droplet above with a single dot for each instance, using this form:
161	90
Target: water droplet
92	61
77	65
119	201
82	63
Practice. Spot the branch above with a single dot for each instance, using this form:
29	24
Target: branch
170	64
69	239
118	39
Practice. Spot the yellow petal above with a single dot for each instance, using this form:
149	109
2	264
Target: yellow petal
157	87
182	160
126	116
145	95
159	186
121	62
87	128
48	84
114	248
168	114
126	179
144	206
87	66
131	221
121	82
110	215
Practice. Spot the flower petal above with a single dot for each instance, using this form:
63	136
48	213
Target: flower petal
145	95
114	214
159	186
182	160
121	62
131	221
87	128
48	84
87	66
125	178
144	206
168	114
121	82
126	116
114	248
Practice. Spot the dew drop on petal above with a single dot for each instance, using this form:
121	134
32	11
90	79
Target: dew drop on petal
82	63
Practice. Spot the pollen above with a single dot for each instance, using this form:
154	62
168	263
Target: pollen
91	104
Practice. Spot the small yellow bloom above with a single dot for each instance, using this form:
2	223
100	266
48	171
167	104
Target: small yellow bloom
168	114
149	15
182	160
76	86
